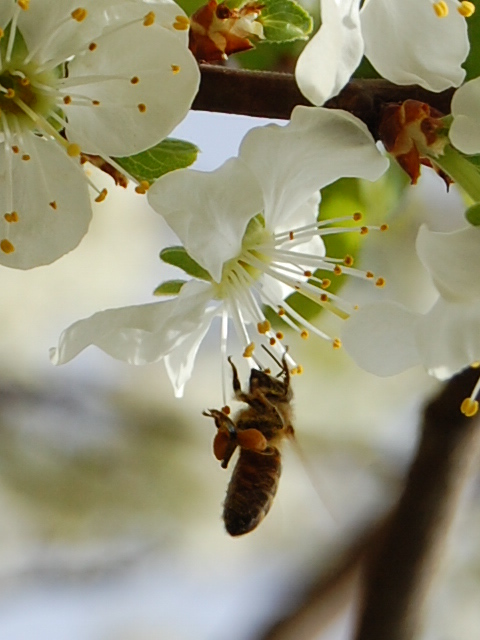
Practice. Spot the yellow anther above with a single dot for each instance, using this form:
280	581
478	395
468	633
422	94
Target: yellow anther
74	150
10	93
79	14
469	407
348	261
25	82
226	410
23	4
53	204
363	231
326	283
307	274
291	235
268	371
272	341
384	227
380	282
475	365
135	80
441	9
11	217
96	103
6	246
264	327
15	149
25	157
149	19
2	33
143	187
324	297
337	270
141	107
279	335
281	311
181	23
337	343
175	68
357	216
466	9
304	335
249	349
92	46
369	274
67	99
101	196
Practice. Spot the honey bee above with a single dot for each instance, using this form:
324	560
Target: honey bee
257	431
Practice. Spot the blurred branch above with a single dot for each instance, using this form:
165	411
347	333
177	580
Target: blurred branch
400	575
271	94
329	593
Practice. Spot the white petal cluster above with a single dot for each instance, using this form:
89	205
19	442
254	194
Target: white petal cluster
252	225
406	41
103	78
385	338
465	130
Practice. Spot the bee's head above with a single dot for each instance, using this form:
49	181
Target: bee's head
273	388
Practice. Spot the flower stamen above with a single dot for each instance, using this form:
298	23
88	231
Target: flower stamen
469	406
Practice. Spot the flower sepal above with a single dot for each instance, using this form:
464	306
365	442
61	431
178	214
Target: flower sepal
178	257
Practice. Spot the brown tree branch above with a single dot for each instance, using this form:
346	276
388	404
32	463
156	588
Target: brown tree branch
400	575
274	95
305	617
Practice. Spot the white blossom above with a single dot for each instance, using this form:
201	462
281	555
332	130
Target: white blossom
97	79
386	338
252	226
407	41
465	130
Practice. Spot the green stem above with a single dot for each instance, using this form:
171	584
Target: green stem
461	170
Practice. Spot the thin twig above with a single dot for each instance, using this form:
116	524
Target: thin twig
400	576
274	95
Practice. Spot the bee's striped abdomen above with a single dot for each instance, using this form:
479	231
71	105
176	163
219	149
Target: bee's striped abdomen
251	490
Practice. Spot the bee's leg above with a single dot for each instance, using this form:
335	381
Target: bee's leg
225	441
286	373
237	388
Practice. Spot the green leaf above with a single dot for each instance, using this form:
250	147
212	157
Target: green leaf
472	214
178	257
285	21
169	288
168	155
472	64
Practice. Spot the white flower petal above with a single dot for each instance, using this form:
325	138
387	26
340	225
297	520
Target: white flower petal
465	130
328	61
408	44
166	12
49	194
448	337
209	211
168	81
47	27
316	148
140	334
453	260
380	337
179	363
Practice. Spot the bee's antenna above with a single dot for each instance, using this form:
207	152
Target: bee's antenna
275	359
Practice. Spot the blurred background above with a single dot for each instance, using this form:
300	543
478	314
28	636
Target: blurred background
109	492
